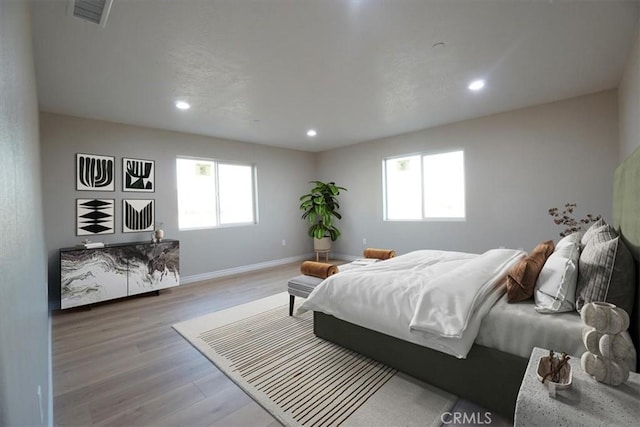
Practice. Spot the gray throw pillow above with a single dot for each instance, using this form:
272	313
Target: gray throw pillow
606	271
591	231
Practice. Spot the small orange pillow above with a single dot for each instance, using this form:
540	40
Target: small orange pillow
521	279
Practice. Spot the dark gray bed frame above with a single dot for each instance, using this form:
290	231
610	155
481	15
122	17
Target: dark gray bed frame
488	377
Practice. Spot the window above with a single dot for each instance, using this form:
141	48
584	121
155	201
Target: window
213	194
423	187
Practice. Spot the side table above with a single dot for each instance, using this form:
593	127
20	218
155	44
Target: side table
586	403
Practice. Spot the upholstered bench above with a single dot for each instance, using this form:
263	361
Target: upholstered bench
301	286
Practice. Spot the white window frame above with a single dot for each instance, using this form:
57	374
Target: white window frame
216	163
424	218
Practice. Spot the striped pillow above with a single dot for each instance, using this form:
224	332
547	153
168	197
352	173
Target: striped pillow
606	271
591	231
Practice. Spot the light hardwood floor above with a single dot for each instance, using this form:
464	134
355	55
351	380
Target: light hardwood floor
122	364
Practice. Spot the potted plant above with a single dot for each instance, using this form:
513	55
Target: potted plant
320	207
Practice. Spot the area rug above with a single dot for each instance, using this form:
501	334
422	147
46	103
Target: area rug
303	380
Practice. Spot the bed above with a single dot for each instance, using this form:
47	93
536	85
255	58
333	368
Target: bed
484	374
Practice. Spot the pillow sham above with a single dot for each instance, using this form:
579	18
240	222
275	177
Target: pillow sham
555	290
588	235
606	271
571	239
521	279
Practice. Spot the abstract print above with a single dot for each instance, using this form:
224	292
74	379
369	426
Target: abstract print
94	173
137	215
95	216
138	175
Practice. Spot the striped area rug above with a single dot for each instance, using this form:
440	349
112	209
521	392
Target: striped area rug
300	379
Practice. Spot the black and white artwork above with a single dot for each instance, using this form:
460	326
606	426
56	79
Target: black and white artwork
95	216
95	173
137	215
138	175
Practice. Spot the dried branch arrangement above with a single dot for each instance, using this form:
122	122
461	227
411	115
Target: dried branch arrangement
555	368
566	219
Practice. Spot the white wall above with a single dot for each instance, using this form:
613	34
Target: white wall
518	164
283	176
24	317
629	101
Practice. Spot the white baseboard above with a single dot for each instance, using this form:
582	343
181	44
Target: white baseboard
184	280
243	269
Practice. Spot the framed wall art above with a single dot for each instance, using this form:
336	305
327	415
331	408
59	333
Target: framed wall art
95	216
94	172
138	175
138	215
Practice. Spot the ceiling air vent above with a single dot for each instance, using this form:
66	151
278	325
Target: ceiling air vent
95	11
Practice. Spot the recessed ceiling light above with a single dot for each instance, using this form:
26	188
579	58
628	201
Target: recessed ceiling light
182	105
311	132
476	85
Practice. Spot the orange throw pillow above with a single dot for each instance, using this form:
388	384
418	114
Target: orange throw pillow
521	279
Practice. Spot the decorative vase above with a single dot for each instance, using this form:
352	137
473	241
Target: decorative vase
609	355
565	375
605	317
159	234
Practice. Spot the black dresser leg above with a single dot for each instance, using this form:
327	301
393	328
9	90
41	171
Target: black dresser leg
291	299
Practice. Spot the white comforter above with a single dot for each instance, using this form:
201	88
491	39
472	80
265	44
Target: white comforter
432	298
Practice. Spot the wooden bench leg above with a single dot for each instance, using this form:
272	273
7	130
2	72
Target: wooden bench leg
291	299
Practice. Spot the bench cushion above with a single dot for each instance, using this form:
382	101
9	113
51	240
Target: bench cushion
302	285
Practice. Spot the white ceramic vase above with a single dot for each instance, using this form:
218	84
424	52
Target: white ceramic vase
605	317
609	355
159	234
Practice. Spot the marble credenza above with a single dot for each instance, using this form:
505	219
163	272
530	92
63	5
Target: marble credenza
89	276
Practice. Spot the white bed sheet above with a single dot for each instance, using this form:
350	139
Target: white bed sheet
517	327
385	296
512	328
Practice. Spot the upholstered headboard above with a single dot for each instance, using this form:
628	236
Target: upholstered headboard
626	220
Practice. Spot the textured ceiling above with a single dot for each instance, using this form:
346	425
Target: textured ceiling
355	70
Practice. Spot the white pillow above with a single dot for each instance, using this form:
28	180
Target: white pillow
555	290
568	240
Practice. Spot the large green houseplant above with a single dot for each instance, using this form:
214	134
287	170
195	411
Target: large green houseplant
320	207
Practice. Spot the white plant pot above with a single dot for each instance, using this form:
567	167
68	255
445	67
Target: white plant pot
323	244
